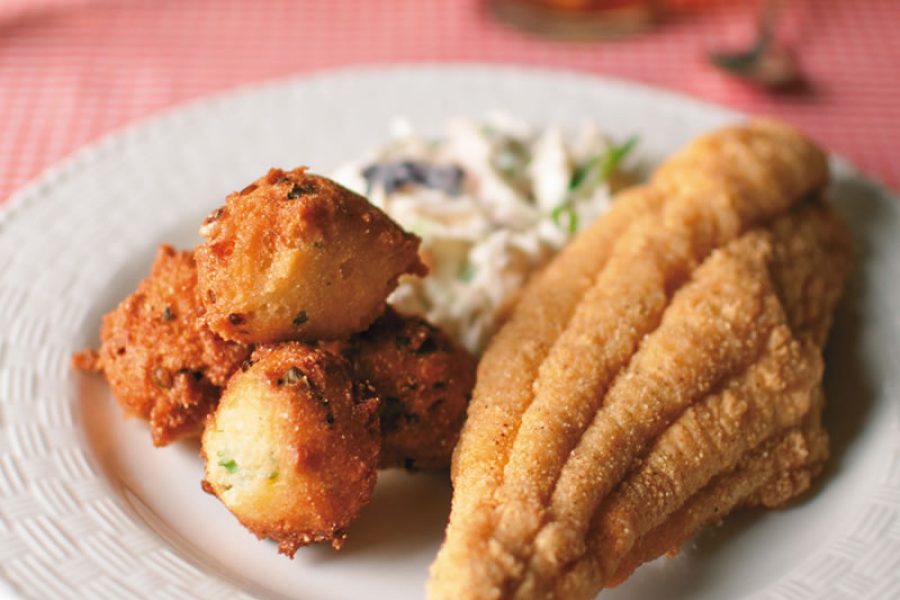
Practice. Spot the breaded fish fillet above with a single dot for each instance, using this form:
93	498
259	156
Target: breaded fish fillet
803	262
664	302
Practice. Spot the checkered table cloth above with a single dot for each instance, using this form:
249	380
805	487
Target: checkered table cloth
73	70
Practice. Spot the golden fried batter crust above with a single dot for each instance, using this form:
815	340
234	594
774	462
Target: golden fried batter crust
295	256
292	450
779	391
782	466
162	362
424	381
647	313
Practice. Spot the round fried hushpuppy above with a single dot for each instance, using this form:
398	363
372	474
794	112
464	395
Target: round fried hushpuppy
292	449
162	362
424	381
295	256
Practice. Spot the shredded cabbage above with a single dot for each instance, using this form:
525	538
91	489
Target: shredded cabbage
493	200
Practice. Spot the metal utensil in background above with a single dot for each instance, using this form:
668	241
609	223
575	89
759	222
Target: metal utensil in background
768	63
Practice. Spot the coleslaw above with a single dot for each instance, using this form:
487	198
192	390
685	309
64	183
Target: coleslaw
493	200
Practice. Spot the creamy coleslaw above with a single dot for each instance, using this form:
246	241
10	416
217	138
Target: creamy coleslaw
493	200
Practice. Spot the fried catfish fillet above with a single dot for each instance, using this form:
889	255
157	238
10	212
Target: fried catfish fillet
693	313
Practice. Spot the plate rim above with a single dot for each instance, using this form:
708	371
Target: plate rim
83	157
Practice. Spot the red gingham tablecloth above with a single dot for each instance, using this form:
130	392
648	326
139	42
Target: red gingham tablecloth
72	70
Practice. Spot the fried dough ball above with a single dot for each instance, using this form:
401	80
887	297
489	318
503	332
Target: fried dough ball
162	362
292	449
295	256
424	382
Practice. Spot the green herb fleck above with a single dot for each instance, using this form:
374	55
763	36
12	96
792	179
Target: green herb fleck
301	318
229	464
588	176
565	209
600	167
617	154
273	475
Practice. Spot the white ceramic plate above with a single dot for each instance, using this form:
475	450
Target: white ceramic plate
89	509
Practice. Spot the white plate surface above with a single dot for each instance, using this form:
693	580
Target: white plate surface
89	509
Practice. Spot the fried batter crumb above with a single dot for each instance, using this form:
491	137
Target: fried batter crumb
424	381
295	256
162	362
292	449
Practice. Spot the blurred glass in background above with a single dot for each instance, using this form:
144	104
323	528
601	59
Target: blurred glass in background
578	19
